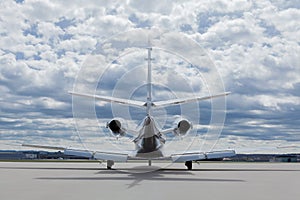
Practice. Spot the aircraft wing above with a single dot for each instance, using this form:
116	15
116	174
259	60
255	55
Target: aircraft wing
196	156
123	157
43	147
99	155
186	100
111	99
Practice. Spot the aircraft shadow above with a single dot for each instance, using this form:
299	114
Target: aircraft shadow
145	173
136	169
138	175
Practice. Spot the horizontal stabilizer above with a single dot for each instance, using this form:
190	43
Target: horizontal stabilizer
112	99
186	100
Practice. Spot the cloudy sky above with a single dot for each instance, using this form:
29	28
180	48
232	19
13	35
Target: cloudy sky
254	46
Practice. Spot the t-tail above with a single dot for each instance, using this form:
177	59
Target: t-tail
149	102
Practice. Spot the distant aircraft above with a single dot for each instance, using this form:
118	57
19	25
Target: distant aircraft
150	140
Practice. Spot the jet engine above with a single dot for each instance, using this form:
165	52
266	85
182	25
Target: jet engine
116	127
182	128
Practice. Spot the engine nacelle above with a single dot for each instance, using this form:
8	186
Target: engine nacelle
116	127
183	127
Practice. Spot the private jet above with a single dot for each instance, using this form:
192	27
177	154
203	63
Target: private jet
149	142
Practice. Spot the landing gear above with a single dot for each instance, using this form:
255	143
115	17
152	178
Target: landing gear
149	162
110	163
189	165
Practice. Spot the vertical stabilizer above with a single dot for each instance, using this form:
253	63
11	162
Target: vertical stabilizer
149	79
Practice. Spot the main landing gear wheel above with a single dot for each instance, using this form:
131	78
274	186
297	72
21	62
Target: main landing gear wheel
189	165
110	163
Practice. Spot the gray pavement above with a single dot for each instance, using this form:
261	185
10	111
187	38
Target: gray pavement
54	181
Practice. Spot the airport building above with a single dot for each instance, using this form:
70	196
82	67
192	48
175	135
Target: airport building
33	155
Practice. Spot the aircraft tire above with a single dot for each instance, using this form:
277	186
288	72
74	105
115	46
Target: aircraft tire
189	165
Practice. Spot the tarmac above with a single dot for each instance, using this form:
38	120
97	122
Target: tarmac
208	180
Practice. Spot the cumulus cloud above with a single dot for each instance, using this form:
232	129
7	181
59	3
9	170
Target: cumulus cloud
254	46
